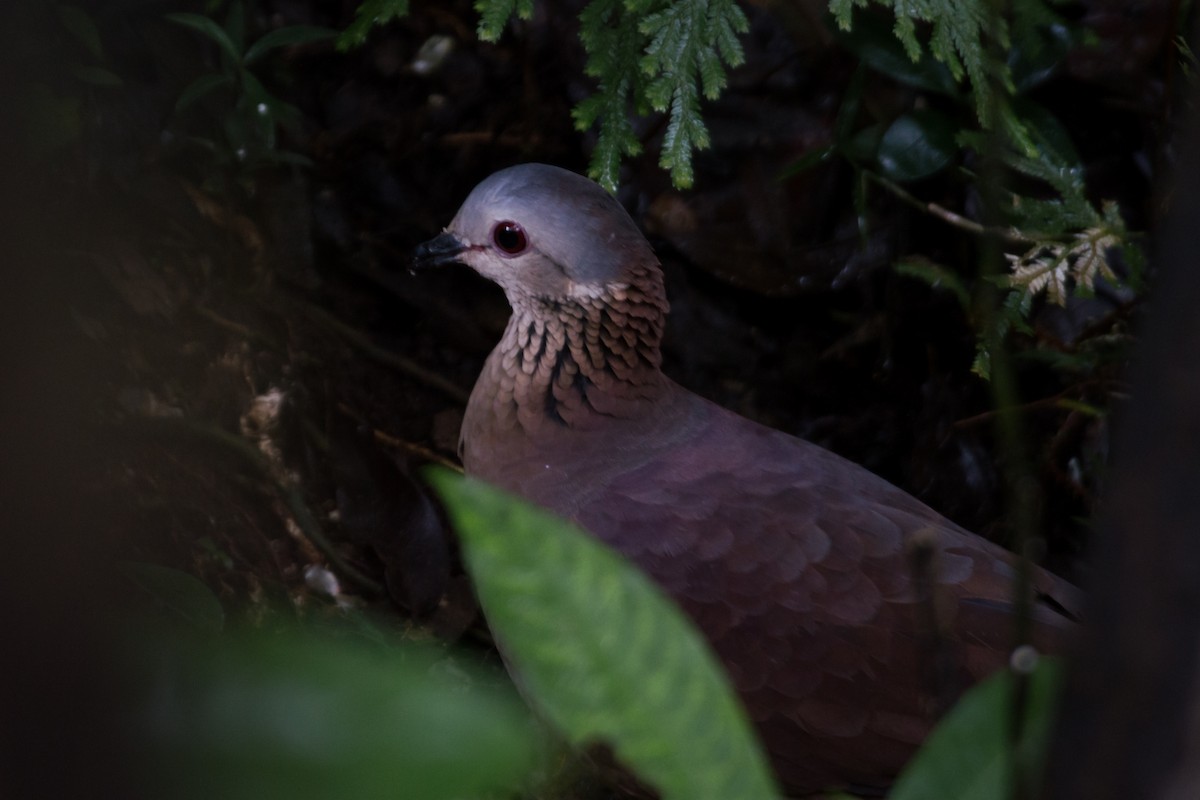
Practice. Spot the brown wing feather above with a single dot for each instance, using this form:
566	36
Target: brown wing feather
796	565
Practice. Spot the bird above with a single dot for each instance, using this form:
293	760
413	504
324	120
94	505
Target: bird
846	612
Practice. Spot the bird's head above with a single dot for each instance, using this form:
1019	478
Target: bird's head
545	233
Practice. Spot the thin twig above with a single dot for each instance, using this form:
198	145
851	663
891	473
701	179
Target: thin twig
948	216
391	441
1055	401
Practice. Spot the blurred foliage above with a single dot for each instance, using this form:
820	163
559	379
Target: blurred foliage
601	651
240	118
960	36
50	105
369	14
332	707
1064	242
972	756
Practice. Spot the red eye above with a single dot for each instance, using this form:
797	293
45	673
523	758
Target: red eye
509	237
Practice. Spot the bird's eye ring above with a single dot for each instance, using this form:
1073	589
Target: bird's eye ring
509	237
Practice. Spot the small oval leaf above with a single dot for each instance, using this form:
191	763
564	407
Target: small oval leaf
917	145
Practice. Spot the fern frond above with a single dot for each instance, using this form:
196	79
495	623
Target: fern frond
494	15
370	14
610	36
690	44
957	38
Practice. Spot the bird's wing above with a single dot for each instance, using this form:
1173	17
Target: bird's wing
800	568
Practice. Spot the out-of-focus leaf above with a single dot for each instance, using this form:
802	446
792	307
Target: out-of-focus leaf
863	145
370	13
77	21
917	145
969	756
200	87
179	592
285	37
601	651
804	163
1032	66
877	46
257	714
235	25
210	30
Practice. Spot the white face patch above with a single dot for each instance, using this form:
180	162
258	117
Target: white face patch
590	291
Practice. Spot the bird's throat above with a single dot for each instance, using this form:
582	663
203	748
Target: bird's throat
575	362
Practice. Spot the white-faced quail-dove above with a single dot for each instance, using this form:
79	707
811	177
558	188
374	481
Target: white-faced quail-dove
803	569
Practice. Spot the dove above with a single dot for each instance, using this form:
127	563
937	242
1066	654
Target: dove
847	613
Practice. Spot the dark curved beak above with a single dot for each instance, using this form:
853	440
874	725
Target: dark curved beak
438	251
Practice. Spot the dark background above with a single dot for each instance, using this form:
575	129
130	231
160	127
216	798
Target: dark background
155	288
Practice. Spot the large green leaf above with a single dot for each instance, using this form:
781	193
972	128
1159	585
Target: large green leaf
601	651
970	755
293	714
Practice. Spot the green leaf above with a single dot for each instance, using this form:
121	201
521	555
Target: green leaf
180	592
200	87
256	714
370	13
863	146
917	145
957	30
878	47
285	37
601	651
969	756
235	25
210	30
80	25
1038	52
